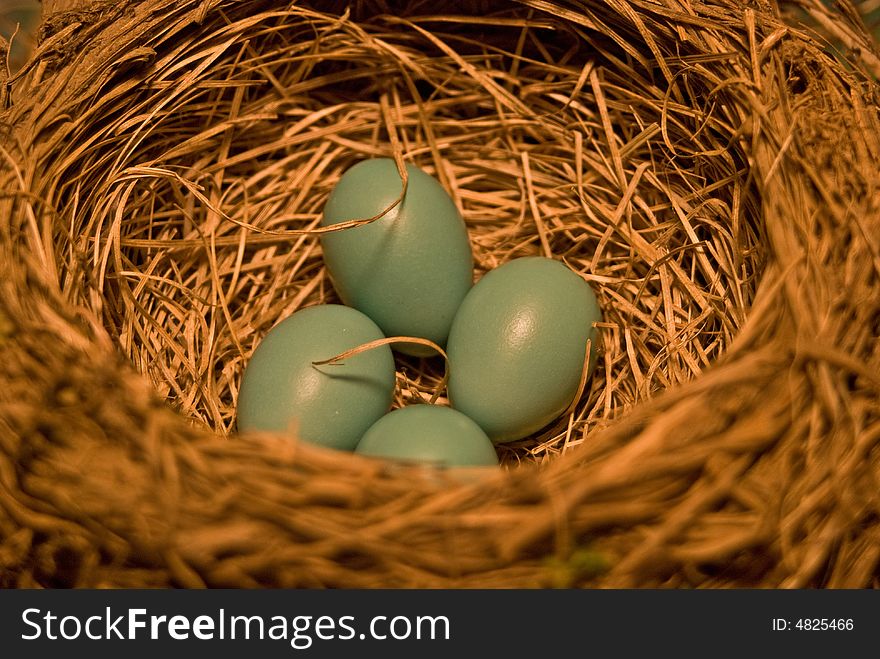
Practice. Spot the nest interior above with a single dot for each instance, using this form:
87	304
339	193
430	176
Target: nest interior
184	245
709	169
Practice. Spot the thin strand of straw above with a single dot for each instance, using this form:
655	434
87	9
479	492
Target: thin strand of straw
397	154
585	375
371	345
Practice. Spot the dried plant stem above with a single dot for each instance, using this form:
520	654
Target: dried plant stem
395	340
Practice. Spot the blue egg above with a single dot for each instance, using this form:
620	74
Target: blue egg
408	270
430	434
331	405
517	346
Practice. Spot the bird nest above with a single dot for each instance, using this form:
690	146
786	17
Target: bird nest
709	168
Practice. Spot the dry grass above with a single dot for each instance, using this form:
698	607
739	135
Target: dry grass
18	26
185	212
707	168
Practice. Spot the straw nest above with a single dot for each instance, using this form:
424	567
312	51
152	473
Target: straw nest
711	170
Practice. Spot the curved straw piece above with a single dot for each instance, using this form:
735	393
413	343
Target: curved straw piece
338	359
585	375
397	154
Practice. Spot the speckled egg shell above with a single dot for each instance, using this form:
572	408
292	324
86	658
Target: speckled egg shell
517	346
409	270
331	405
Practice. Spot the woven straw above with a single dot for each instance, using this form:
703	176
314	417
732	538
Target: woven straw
710	168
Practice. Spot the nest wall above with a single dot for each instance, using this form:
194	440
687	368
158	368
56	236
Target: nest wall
709	168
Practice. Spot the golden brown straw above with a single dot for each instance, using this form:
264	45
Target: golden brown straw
397	340
709	168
